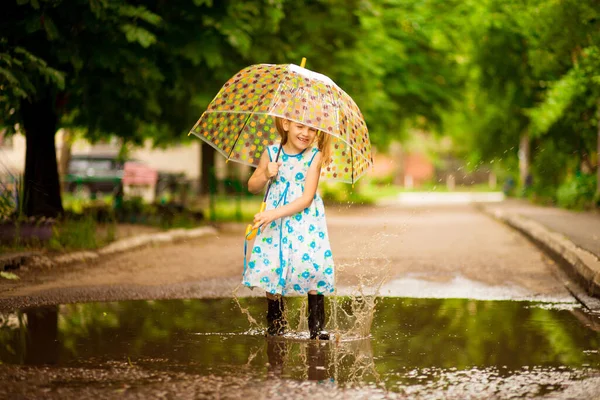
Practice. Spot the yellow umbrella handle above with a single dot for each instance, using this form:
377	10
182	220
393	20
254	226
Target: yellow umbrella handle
251	233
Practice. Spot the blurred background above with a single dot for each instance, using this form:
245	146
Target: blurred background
97	99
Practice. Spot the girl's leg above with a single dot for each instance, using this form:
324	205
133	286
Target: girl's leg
316	316
276	323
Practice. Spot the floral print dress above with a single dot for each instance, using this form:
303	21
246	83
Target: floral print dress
292	255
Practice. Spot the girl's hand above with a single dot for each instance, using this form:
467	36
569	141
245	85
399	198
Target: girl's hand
272	169
264	218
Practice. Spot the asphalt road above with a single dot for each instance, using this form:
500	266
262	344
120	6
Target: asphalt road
408	251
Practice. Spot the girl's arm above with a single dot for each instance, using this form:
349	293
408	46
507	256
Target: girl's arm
266	170
310	188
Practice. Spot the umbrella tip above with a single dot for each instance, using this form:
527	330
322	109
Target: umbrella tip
303	62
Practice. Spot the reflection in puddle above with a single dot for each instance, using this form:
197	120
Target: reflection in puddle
439	348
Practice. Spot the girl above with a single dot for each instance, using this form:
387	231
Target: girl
291	253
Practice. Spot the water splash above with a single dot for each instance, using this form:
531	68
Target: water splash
350	316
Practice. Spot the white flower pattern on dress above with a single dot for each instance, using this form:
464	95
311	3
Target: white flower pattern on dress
292	256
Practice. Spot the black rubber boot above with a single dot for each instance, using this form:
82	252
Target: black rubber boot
276	323
318	361
316	317
276	353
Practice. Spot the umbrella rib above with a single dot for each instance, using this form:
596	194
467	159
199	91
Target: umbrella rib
246	122
352	164
238	136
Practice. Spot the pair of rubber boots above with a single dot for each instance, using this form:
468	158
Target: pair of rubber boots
276	323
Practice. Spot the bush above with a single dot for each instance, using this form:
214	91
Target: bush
343	193
74	234
11	198
548	169
577	193
382	180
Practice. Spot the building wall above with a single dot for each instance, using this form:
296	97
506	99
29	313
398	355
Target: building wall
418	167
183	158
176	159
12	155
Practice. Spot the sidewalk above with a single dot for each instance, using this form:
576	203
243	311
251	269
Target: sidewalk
130	237
571	237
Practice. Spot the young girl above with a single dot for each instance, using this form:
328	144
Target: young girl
291	253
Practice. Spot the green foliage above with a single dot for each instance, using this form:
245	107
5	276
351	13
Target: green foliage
7	204
549	168
344	194
74	234
11	198
577	192
20	70
401	69
232	208
558	98
484	73
533	70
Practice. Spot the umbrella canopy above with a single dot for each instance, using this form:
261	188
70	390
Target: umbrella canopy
240	121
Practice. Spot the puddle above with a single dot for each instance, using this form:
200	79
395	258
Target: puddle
424	348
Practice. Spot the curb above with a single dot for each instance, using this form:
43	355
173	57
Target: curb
579	264
14	261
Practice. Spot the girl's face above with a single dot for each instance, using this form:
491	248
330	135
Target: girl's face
300	137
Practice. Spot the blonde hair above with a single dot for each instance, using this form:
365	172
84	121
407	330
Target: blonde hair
282	132
323	141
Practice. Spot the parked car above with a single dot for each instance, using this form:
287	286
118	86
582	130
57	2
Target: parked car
92	174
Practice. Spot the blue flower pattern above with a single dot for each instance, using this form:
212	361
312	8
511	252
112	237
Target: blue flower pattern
292	256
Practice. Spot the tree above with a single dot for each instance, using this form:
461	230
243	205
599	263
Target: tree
532	85
566	40
72	75
114	68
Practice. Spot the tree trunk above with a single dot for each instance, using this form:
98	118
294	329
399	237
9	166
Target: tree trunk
41	184
524	154
207	159
42	335
598	155
65	157
397	155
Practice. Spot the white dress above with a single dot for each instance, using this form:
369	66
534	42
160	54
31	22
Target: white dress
292	255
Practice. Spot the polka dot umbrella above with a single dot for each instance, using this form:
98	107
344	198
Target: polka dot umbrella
240	122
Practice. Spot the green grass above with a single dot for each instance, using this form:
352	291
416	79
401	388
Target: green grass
71	235
230	208
76	203
68	235
378	192
441	187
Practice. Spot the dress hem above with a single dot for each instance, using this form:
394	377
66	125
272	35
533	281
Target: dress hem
290	292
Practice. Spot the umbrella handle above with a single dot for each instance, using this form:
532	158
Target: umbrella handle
251	233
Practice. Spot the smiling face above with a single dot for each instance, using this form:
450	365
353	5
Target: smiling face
300	137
